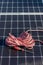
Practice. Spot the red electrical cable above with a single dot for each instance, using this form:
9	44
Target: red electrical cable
38	41
25	39
36	31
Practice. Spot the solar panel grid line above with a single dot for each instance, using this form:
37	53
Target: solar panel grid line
10	49
36	24
21	21
28	10
2	47
25	59
1	5
28	5
3	38
17	35
22	7
20	2
6	36
41	55
29	22
38	38
17	31
3	41
33	6
40	48
30	29
12	6
24	30
7	7
1	56
38	6
17	6
19	57
33	55
33	48
9	57
41	20
5	25
22	13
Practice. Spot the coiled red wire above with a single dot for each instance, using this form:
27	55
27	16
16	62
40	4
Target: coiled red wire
25	39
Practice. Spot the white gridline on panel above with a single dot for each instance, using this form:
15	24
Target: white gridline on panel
23	1
33	48
33	6
33	36
41	20
11	32
20	7
34	29
1	6
10	49
3	39
20	2
40	50
20	56
3	35
38	6
37	35
24	30
17	35
38	39
20	20
37	30
22	13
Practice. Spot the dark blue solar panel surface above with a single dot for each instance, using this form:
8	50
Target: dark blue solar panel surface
16	24
21	6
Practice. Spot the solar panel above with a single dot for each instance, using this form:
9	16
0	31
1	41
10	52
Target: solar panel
21	6
16	24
